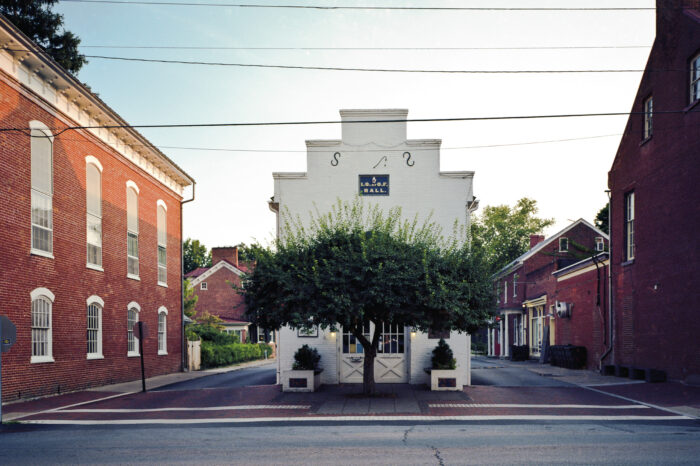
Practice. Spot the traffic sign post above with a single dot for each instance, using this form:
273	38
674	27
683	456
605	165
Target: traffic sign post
142	330
8	336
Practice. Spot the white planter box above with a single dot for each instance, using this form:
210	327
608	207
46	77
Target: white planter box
443	380
301	381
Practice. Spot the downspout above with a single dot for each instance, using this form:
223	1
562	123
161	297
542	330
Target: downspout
611	320
182	284
594	258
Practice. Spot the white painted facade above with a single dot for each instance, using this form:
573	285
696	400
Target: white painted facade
415	183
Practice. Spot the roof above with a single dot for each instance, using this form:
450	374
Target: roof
196	272
603	256
514	264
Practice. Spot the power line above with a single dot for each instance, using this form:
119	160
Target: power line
352	7
564	47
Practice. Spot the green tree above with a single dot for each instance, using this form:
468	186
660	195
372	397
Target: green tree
502	233
195	255
190	299
248	253
601	219
356	265
45	28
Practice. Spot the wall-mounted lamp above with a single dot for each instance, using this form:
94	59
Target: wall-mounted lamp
413	332
332	334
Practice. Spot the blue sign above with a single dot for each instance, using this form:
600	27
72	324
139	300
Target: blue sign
374	185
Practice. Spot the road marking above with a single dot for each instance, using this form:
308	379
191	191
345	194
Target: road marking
356	419
503	405
650	405
205	408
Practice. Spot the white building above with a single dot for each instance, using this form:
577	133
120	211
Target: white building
378	162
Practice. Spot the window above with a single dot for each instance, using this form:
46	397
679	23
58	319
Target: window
132	229
599	243
629	226
162	330
162	243
94	327
391	340
648	117
42	189
203	286
695	79
505	292
132	318
42	302
93	193
515	285
563	244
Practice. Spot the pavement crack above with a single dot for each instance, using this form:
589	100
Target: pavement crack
405	434
436	452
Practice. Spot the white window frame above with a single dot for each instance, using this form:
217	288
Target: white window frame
599	243
132	306
648	117
46	296
97	303
515	285
695	79
505	291
203	286
162	331
630	202
130	185
162	227
96	217
37	195
563	241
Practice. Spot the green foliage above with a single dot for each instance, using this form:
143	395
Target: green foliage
601	219
45	28
195	255
190	299
306	359
502	233
357	264
249	253
213	334
478	347
190	334
214	355
443	358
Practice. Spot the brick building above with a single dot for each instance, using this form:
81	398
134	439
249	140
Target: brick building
528	290
655	213
214	287
90	236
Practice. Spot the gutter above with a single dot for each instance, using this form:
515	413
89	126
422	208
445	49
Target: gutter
182	281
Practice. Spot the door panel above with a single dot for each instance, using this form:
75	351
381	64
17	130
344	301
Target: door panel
390	363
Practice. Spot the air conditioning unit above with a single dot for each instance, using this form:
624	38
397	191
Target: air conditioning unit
563	309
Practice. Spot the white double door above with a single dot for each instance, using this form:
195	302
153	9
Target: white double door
390	362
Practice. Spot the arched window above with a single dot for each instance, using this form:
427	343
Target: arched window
94	327
42	189
132	229
162	330
162	243
42	302
93	193
132	317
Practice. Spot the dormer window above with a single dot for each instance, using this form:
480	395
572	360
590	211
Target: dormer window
563	244
203	286
695	79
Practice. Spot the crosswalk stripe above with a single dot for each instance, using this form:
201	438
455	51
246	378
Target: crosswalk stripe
510	405
205	408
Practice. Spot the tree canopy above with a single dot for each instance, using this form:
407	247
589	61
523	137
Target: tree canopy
45	28
356	265
502	233
195	255
601	219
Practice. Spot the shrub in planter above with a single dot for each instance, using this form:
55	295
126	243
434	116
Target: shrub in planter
306	359
443	358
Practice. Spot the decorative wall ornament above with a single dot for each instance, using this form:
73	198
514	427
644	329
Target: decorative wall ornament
409	162
335	160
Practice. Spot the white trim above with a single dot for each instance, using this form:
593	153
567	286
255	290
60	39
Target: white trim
91	356
93	160
541	301
563	239
161	202
203	286
45	292
39	252
39	126
135	305
133	277
94	299
163	309
40	359
131	184
578	272
94	267
212	270
164	285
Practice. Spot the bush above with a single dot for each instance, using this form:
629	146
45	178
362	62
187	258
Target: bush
191	335
306	359
214	355
478	347
443	358
210	333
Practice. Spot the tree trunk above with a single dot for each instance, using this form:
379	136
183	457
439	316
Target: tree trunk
368	384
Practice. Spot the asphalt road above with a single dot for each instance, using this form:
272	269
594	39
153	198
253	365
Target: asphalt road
376	443
490	372
261	375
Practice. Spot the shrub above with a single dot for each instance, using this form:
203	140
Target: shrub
443	358
306	359
214	355
211	333
191	335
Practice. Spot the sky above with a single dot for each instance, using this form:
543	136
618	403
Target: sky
561	163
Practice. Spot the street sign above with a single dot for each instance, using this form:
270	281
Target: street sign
140	330
8	334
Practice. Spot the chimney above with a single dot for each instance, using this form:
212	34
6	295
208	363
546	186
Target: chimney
534	240
227	253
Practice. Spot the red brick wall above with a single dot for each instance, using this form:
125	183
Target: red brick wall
220	298
66	275
656	295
